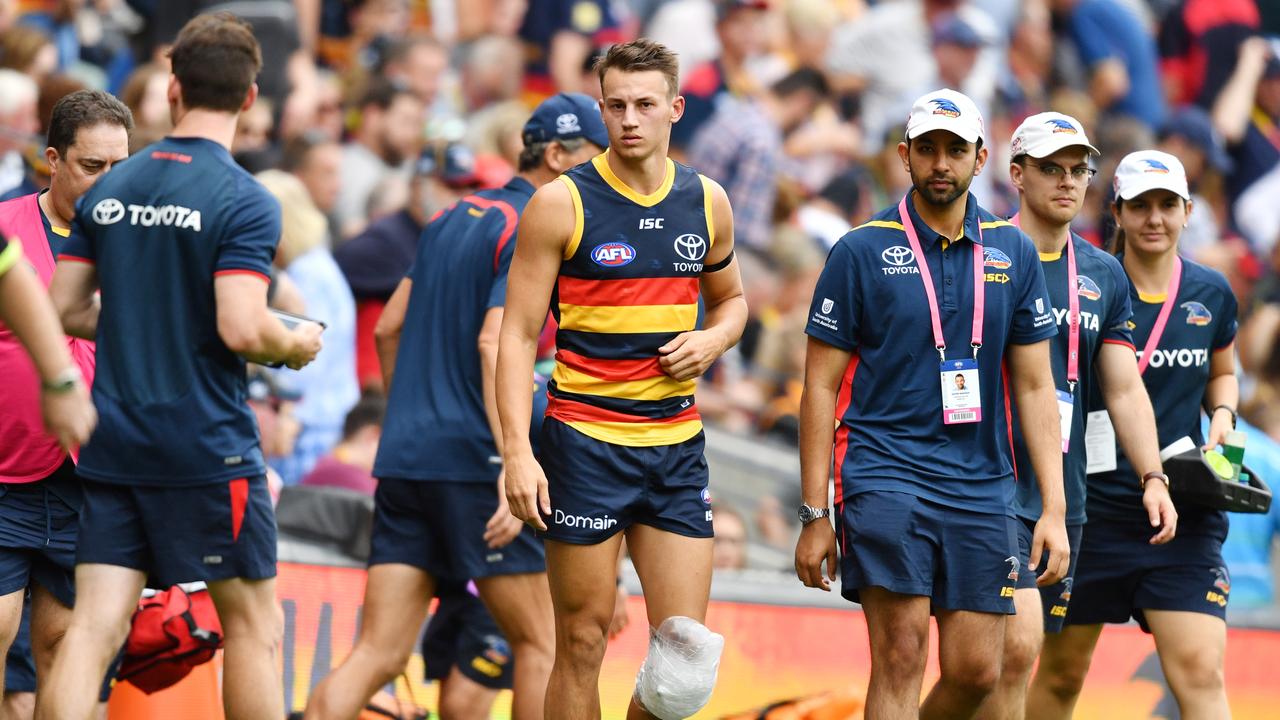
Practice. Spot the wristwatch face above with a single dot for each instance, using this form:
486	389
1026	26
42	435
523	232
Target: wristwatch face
809	513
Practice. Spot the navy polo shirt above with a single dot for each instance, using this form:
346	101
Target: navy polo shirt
1105	312
1202	322
870	301
436	428
171	397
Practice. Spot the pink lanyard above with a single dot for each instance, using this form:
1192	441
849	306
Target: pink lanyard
1162	319
1073	313
979	286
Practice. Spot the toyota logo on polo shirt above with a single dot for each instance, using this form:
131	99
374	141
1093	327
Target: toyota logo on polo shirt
898	255
691	247
108	211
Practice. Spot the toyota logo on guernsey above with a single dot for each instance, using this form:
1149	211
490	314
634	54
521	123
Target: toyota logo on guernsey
108	212
614	254
899	260
692	248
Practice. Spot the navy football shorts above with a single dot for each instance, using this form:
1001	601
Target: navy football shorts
960	559
1054	598
462	633
38	527
1121	575
181	534
438	526
598	489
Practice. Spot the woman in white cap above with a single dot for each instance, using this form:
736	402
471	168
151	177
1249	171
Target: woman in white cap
1184	325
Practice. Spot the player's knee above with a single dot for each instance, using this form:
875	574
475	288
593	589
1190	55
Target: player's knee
679	673
386	664
904	653
977	674
1021	648
581	641
1064	679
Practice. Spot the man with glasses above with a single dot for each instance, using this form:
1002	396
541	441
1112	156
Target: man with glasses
1090	301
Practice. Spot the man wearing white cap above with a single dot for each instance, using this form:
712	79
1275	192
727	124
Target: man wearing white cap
922	462
1049	166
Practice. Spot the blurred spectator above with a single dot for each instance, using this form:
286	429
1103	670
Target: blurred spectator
390	132
1189	135
729	547
147	94
1198	43
495	133
835	209
19	128
687	28
364	22
418	63
253	128
90	39
350	465
316	160
955	51
491	70
1257	214
29	51
1119	53
741	31
53	89
328	118
375	261
273	406
327	386
741	148
1247	113
884	57
558	36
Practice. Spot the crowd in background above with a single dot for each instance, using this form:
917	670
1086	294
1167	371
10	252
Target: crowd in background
376	114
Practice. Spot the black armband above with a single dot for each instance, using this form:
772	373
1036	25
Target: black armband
720	265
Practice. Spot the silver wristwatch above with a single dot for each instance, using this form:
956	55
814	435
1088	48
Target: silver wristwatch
809	513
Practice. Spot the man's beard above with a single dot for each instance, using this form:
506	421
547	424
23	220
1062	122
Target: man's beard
944	197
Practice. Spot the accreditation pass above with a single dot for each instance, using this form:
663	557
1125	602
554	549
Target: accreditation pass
961	393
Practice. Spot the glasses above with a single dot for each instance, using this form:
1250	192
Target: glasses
1053	171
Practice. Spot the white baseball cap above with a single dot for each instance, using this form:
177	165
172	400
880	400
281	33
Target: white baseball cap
945	110
1147	170
1046	133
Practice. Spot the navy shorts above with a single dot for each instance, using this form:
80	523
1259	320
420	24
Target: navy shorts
438	526
462	633
1054	598
960	559
598	489
181	534
1121	575
38	527
20	665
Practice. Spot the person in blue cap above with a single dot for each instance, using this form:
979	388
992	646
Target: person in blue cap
624	249
440	510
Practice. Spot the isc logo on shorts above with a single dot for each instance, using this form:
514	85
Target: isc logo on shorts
1006	592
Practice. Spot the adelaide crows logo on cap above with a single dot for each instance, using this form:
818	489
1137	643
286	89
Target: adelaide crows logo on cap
994	258
1087	288
1062	126
943	106
1197	314
1155	166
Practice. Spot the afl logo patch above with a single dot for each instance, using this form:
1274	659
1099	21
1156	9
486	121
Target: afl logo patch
994	258
1087	288
1197	314
108	211
691	247
614	254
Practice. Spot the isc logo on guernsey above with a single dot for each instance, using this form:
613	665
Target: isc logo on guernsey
111	211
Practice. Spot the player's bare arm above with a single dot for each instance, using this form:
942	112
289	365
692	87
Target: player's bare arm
68	413
1135	424
545	230
250	331
824	365
1223	389
1032	383
689	354
73	289
386	333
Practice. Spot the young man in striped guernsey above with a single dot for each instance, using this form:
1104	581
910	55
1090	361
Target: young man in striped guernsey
621	248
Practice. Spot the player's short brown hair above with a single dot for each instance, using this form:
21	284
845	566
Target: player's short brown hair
216	59
639	56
